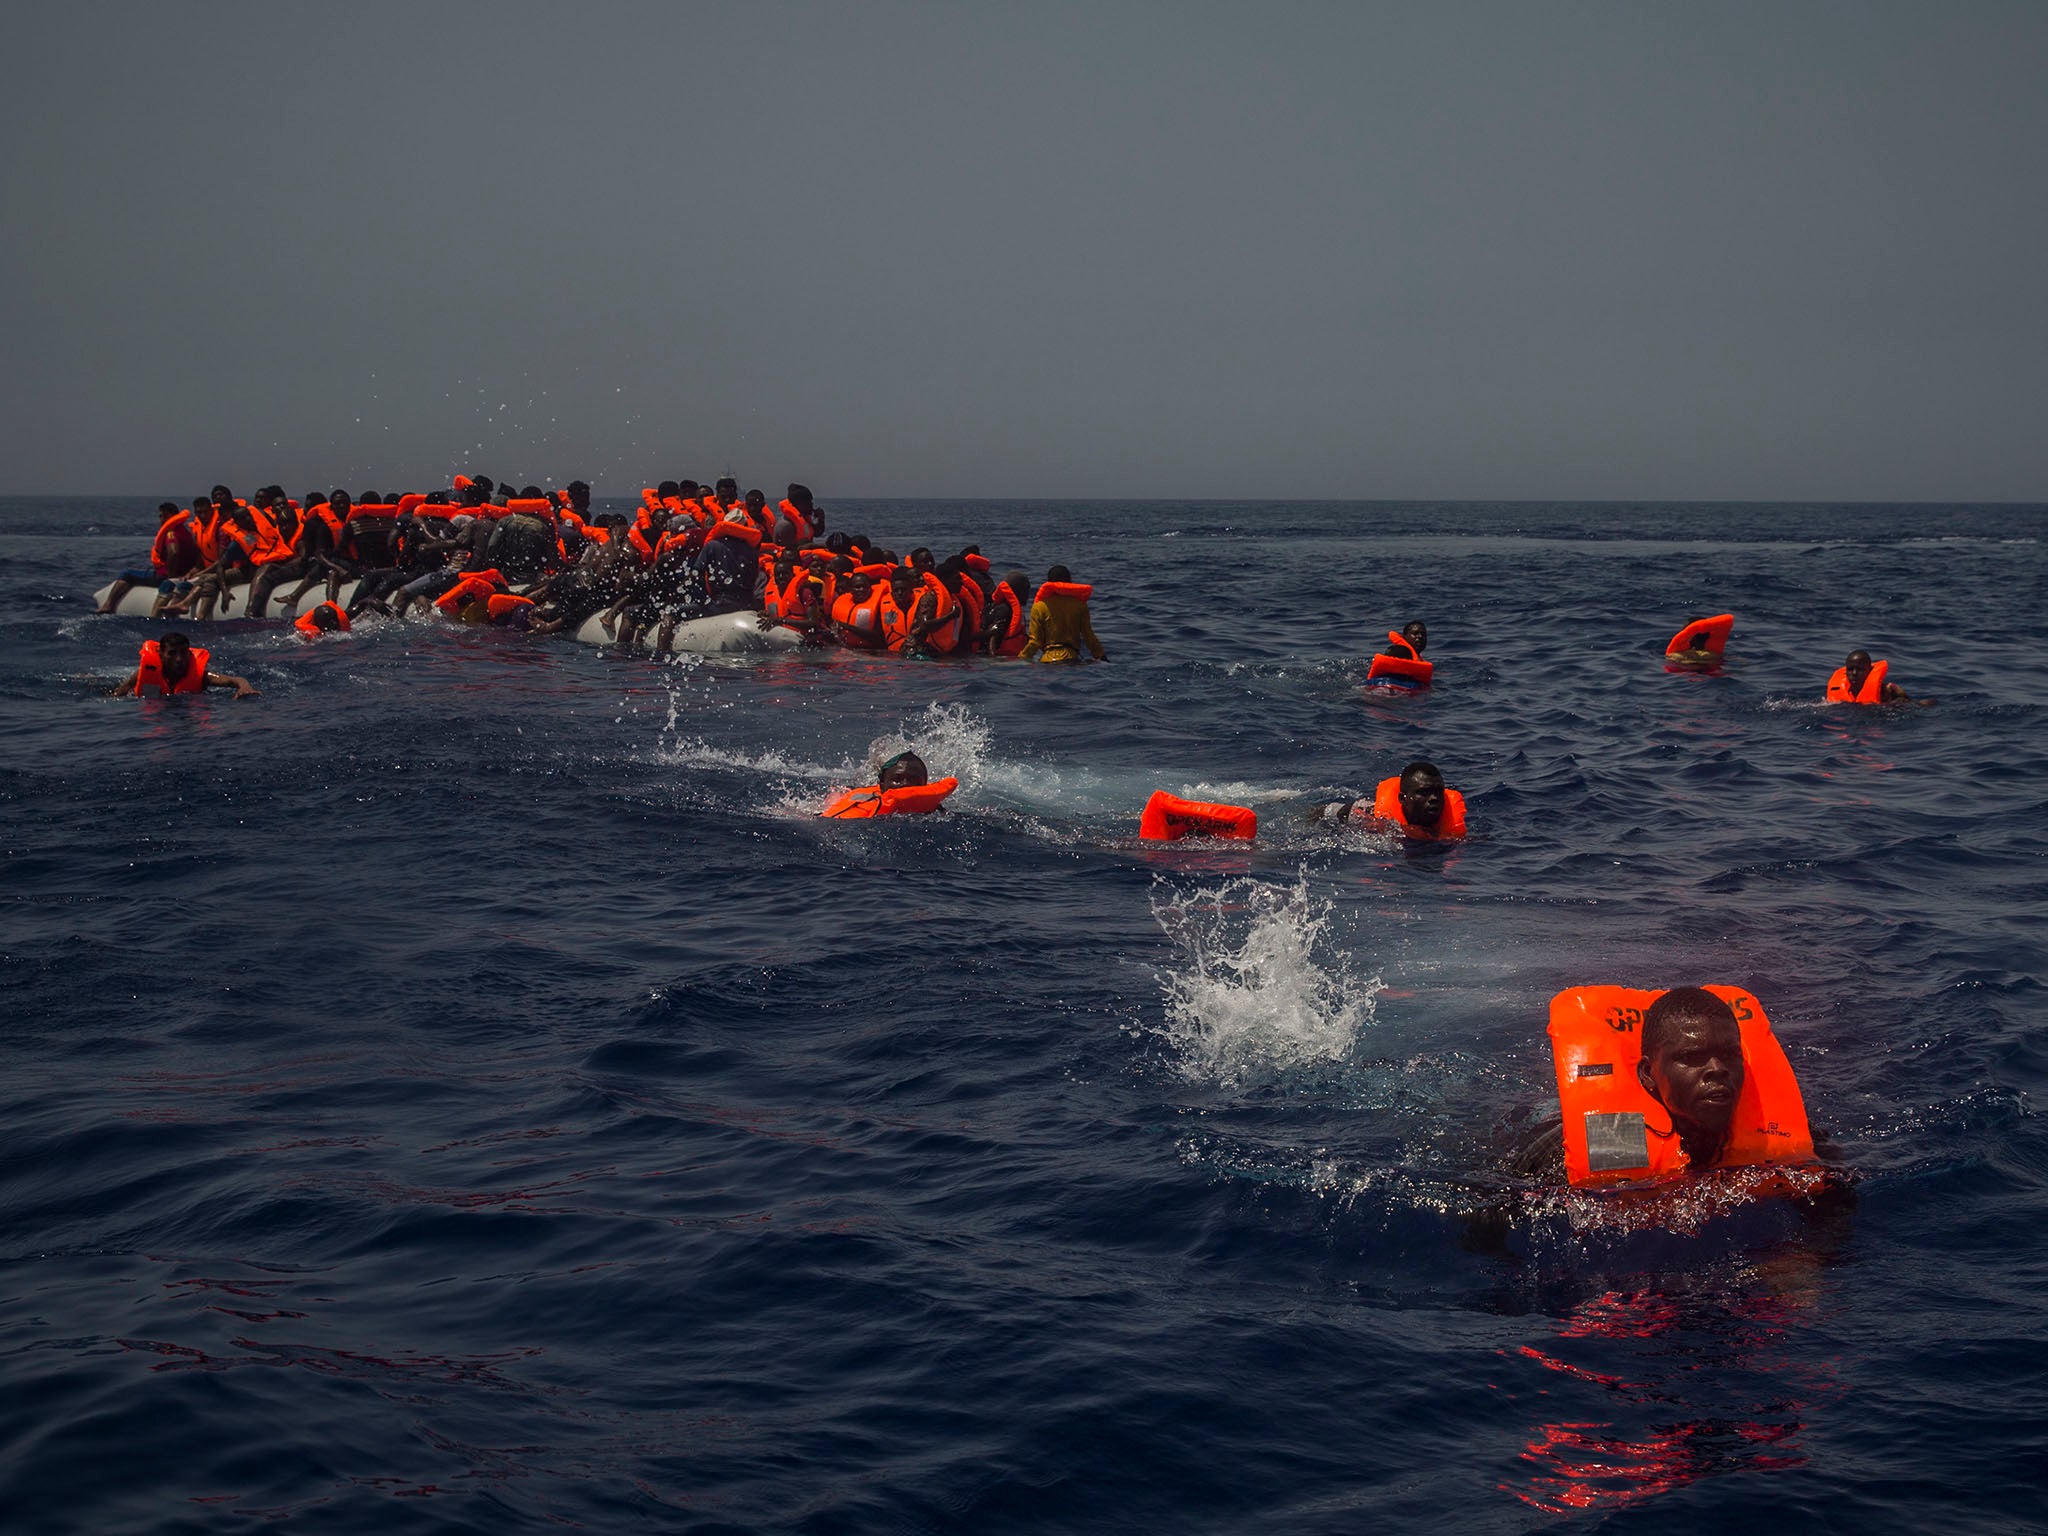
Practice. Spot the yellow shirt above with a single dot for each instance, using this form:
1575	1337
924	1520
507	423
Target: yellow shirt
1059	627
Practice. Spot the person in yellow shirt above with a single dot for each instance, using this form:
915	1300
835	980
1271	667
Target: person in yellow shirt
1059	625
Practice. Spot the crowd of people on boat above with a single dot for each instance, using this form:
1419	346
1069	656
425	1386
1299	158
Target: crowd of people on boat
543	561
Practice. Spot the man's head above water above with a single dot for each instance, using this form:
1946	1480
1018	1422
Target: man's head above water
1692	1062
1422	794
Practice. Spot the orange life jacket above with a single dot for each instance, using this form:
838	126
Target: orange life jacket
270	546
972	605
1615	1130
802	524
859	624
896	621
304	622
911	800
325	514
475	587
1872	691
1018	629
1080	589
1703	635
159	547
1168	818
1386	804
746	530
1404	668
152	672
503	604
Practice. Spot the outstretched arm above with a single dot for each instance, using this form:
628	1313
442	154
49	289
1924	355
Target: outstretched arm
224	680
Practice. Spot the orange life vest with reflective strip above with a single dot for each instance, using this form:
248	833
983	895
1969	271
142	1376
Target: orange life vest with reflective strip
1872	691
910	800
858	622
1386	804
152	672
1616	1131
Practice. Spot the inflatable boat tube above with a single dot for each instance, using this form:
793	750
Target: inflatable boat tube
1168	818
137	601
1397	672
724	634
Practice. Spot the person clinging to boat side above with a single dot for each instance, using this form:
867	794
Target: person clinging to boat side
1859	680
1059	626
174	665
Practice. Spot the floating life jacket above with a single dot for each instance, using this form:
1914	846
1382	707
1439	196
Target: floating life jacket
1168	818
1872	691
1386	804
1615	1130
504	604
1703	635
152	673
1404	668
305	624
910	800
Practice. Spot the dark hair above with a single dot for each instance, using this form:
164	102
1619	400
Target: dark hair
668	488
1421	772
1680	1006
1059	573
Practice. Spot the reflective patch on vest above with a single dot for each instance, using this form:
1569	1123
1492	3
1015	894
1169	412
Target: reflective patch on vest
1616	1142
1595	1069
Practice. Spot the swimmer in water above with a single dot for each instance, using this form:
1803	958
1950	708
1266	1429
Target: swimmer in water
171	665
1859	680
1416	803
1692	1064
906	770
1416	635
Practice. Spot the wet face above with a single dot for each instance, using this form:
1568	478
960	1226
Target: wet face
902	771
1416	633
1422	800
1697	1072
175	653
1857	668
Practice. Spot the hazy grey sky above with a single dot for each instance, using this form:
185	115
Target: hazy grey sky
1523	250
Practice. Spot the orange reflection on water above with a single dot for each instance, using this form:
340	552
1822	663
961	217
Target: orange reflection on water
1709	1381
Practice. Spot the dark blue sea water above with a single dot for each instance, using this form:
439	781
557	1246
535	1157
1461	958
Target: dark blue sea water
465	1089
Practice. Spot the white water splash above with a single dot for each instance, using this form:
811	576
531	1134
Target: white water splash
1258	988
